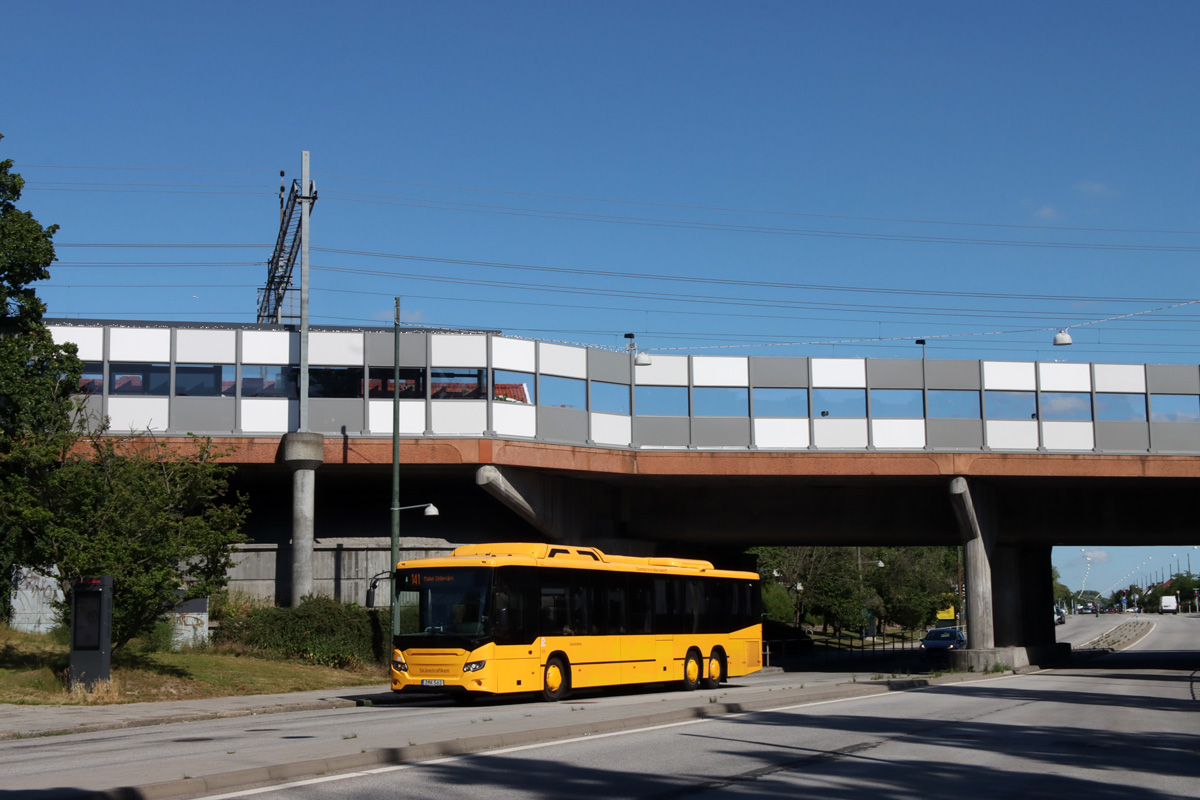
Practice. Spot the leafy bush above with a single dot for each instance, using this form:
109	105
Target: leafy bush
159	639
227	604
320	630
777	603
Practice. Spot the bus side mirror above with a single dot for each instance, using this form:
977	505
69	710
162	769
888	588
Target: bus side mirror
371	593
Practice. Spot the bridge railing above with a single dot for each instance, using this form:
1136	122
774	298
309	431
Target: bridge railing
244	380
834	648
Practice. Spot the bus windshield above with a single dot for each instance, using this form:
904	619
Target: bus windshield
440	603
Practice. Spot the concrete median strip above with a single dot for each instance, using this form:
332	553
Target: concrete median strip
1118	638
416	753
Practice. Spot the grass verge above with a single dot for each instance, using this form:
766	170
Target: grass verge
33	670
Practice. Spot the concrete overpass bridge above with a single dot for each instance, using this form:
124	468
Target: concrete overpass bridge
519	439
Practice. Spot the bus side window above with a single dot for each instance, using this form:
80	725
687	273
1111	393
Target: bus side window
639	605
515	606
615	600
595	603
554	612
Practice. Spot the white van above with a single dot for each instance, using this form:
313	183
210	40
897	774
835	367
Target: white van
1168	604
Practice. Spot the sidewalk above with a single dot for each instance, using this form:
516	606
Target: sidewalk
20	721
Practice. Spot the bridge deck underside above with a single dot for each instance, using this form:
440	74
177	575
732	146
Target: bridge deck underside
731	499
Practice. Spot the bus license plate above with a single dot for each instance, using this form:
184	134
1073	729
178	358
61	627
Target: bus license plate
433	683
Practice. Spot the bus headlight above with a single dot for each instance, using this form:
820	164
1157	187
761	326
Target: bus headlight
399	665
473	666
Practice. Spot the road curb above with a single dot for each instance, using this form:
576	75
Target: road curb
395	756
198	716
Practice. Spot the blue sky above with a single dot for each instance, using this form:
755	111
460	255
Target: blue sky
719	178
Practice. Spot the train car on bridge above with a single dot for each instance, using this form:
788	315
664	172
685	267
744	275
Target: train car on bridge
505	618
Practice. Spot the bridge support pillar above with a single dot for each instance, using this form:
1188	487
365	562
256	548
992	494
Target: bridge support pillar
303	453
976	525
563	510
1009	591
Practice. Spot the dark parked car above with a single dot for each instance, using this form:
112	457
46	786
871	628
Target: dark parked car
940	641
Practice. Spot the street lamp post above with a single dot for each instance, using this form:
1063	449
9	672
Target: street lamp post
430	508
430	511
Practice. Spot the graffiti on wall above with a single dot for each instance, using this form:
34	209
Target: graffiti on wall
33	599
189	623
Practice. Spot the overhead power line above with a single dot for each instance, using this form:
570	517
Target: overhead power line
944	315
146	191
669	297
156	264
757	229
736	282
635	202
161	245
640	275
145	169
156	185
734	209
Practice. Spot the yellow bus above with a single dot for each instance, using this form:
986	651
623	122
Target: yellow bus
501	618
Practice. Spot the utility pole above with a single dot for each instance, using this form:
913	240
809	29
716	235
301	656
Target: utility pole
305	209
303	451
395	453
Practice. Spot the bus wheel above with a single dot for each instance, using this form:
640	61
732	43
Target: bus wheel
691	672
554	682
715	671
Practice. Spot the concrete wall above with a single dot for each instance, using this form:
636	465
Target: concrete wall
342	569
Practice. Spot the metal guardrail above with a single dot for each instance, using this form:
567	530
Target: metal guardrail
835	648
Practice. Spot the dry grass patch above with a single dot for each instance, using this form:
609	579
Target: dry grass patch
33	670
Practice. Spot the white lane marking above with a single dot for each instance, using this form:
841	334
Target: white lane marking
341	776
448	759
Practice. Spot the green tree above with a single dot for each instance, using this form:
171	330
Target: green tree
836	593
1062	593
26	252
822	582
74	501
838	585
913	584
778	605
37	376
152	514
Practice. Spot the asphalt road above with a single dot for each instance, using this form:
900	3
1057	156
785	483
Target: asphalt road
706	746
1122	725
242	750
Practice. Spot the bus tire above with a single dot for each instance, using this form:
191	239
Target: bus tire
692	671
556	680
716	671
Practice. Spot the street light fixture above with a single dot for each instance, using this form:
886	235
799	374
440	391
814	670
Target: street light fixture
640	358
430	510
